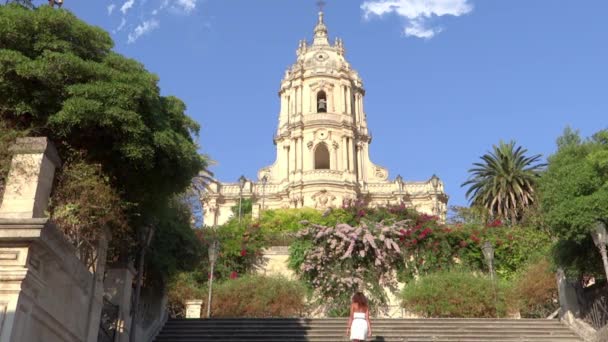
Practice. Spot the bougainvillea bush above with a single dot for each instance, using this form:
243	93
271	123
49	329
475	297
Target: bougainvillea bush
241	245
429	246
342	259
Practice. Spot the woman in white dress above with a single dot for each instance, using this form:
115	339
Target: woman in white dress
359	325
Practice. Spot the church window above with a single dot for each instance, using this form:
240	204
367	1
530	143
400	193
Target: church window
321	157
321	102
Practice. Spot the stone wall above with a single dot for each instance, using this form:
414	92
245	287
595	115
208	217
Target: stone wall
46	293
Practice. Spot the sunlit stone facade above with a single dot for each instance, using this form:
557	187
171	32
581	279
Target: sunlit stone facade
322	146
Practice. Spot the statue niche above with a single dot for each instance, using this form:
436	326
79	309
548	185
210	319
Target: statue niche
321	102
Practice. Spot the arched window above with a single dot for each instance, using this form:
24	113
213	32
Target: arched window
321	102
321	157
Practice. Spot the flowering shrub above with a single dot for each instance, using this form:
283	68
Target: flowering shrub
240	251
343	259
429	246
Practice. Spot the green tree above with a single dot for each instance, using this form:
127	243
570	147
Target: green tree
60	78
574	196
504	181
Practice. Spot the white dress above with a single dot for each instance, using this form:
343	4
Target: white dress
358	328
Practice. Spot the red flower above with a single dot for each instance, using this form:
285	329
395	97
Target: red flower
243	252
475	238
233	275
495	223
463	244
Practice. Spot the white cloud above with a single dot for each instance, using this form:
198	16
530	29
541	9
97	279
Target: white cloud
111	9
123	22
186	5
126	6
417	13
143	28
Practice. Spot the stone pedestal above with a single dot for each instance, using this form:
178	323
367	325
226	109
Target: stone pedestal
30	178
193	308
118	286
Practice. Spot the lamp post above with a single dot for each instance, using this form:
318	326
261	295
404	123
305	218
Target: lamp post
242	181
435	184
264	181
601	239
213	251
488	253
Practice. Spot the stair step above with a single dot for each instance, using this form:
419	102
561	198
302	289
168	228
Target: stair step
385	330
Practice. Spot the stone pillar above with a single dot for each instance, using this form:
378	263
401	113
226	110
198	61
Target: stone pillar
30	179
292	158
118	288
350	149
301	100
344	156
348	101
193	308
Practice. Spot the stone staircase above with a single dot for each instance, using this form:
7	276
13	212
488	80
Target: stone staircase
384	330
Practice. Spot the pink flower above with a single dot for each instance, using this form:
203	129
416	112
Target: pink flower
463	244
243	252
233	275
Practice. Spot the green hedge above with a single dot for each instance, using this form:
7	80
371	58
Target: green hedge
457	294
252	296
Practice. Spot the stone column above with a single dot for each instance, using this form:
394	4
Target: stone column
193	308
30	178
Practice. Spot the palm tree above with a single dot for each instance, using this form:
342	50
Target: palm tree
504	182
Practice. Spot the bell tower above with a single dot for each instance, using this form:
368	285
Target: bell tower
322	133
322	143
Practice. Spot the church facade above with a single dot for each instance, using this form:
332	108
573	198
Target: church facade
322	146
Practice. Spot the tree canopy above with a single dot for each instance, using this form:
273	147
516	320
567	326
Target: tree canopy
60	78
574	196
574	189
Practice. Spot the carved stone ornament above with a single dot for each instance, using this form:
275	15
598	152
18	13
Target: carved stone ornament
322	134
380	173
309	144
323	199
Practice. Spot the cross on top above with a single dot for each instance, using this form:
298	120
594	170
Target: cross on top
321	5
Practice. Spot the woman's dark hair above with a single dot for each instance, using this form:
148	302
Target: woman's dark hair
360	299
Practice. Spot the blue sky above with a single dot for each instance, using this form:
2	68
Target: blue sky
445	79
